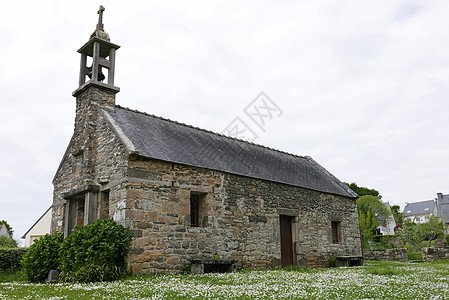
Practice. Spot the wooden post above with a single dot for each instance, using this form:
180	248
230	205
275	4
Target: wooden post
96	60
83	68
111	66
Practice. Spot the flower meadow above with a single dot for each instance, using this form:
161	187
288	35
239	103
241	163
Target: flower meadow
376	280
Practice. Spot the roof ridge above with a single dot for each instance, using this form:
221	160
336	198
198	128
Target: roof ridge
210	131
421	201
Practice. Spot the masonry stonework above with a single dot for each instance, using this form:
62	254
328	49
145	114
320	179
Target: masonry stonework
394	254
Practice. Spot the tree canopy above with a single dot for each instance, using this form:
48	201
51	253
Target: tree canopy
371	213
372	204
397	215
416	233
362	191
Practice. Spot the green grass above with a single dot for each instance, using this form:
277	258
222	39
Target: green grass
12	276
376	280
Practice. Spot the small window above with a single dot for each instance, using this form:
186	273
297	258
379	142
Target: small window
336	234
426	209
409	211
196	200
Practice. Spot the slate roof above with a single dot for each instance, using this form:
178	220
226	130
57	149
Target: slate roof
418	208
162	139
443	205
443	199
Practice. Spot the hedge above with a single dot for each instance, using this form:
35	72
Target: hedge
10	258
42	257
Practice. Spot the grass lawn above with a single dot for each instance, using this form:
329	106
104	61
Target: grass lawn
376	280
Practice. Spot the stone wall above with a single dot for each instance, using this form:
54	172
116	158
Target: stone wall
239	219
395	254
434	253
94	157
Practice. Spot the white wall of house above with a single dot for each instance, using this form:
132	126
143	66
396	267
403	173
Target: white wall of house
418	219
39	229
4	231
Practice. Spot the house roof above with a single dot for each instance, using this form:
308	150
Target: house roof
442	199
158	138
418	208
443	204
24	235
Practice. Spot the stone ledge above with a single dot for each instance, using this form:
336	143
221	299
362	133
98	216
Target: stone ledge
98	84
349	261
201	266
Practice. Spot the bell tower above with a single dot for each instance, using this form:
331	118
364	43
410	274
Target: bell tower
102	53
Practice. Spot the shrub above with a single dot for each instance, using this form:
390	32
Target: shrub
42	257
414	255
7	242
10	258
95	252
333	261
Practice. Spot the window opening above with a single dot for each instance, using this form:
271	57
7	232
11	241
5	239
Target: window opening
195	210
336	235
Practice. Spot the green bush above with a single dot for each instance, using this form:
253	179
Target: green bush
10	258
7	242
333	261
412	255
42	257
95	252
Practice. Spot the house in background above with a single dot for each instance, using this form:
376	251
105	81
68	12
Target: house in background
442	202
420	212
39	229
4	231
388	225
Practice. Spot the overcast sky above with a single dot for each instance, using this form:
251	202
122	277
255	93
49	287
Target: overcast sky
363	86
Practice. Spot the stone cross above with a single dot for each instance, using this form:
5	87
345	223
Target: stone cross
100	18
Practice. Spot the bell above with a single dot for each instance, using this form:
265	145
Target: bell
100	76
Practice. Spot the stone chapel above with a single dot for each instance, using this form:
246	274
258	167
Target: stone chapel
239	201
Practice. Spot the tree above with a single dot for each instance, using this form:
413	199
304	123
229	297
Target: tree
362	191
416	233
367	224
7	242
433	229
373	204
397	215
411	233
3	222
371	213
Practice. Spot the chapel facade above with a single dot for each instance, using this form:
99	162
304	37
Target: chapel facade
188	193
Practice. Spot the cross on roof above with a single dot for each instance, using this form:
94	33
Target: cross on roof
100	18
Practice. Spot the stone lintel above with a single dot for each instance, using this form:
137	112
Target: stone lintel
98	84
194	188
81	190
287	212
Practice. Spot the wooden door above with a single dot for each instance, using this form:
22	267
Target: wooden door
286	240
